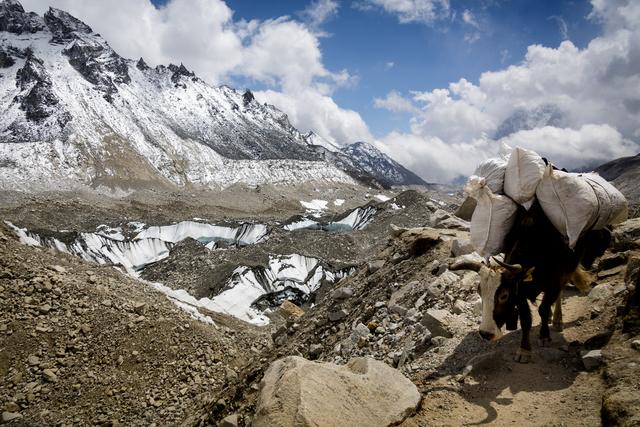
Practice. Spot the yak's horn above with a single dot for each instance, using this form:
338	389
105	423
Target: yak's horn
516	268
467	265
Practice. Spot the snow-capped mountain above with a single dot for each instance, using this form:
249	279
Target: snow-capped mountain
74	111
527	119
377	164
314	139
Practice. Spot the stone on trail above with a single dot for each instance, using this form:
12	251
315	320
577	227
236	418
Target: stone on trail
364	392
10	416
592	359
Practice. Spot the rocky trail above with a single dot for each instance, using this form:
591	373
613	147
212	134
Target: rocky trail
82	344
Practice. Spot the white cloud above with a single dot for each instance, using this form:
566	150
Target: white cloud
396	103
282	53
389	65
596	90
407	11
319	113
562	26
319	11
469	18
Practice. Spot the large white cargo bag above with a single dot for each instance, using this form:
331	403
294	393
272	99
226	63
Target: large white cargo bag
523	173
612	205
491	220
492	170
568	201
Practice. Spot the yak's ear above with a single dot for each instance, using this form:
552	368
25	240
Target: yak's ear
528	276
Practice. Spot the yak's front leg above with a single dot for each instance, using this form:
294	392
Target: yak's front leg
557	313
545	310
523	355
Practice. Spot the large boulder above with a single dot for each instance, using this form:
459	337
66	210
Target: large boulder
364	392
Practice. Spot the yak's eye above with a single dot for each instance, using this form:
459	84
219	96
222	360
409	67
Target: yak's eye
503	297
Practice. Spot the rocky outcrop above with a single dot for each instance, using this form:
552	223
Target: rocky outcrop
97	63
63	26
365	392
15	20
37	98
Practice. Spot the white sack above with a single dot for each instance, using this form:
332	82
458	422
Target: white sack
612	205
491	220
523	173
569	202
492	170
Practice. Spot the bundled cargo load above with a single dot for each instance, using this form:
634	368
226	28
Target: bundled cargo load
491	220
575	203
492	171
612	205
522	175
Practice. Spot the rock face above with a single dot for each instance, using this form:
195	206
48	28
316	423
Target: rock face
365	392
381	166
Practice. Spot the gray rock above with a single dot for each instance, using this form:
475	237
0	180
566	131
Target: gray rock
364	392
10	416
361	330
439	322
315	350
229	421
58	268
140	308
442	283
398	309
635	344
49	375
591	359
342	294
374	266
602	292
334	316
460	307
461	247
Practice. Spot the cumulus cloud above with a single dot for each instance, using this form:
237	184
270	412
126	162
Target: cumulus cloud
595	90
396	103
282	53
319	113
407	11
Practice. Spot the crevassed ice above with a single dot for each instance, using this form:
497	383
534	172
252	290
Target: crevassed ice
245	234
247	284
357	219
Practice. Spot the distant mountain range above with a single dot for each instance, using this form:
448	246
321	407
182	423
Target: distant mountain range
74	111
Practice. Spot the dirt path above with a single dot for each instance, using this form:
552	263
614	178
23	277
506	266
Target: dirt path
552	390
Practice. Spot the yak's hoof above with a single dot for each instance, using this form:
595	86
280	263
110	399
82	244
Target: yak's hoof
545	341
523	356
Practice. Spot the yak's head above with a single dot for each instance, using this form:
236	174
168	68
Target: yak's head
499	289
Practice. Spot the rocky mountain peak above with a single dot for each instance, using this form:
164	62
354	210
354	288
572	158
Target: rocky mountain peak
63	25
142	65
247	97
15	20
179	72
